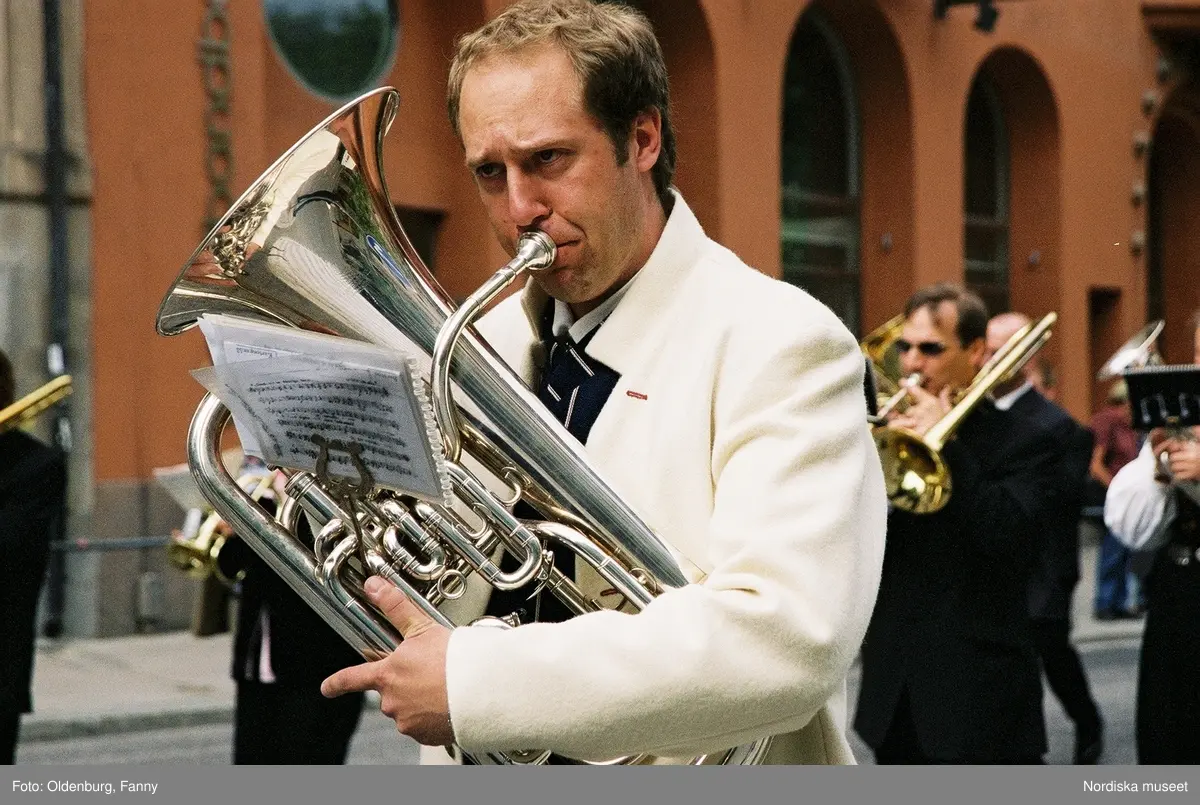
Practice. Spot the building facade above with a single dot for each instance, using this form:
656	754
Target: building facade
859	148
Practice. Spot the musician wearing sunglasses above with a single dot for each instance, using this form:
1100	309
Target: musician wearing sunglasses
949	673
1153	510
725	406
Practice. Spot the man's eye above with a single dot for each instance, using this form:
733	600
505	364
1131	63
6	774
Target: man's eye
488	171
546	156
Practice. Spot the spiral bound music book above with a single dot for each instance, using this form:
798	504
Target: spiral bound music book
301	400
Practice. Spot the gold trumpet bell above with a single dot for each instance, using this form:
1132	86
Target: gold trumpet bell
916	476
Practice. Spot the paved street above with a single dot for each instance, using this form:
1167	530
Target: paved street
1111	667
376	743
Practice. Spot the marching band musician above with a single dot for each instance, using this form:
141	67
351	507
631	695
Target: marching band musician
725	406
33	488
1150	513
1056	563
282	650
949	672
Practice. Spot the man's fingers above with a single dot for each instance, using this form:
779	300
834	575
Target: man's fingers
406	616
919	394
351	680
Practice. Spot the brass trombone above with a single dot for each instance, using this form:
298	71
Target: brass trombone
877	345
27	409
198	555
915	473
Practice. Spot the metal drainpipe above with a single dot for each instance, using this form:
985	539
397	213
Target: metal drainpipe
56	352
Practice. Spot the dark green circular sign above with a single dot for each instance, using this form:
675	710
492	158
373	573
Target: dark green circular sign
336	48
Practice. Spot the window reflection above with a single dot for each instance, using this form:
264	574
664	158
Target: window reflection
820	170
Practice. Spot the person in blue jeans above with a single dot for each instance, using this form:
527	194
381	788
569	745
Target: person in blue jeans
1118	593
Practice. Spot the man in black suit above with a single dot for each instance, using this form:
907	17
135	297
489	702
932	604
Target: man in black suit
282	651
33	487
1056	568
949	671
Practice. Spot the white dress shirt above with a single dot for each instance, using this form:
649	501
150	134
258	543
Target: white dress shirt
1009	400
1138	509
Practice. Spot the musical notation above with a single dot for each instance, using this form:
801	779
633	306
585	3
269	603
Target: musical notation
290	391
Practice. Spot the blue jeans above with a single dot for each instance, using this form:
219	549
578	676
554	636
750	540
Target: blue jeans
1117	588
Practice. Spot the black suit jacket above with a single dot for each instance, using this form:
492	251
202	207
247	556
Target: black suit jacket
33	487
304	649
950	625
1056	564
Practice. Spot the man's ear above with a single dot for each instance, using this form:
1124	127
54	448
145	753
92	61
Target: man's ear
646	139
975	352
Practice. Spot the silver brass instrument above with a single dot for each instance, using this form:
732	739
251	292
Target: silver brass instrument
916	476
315	243
1139	352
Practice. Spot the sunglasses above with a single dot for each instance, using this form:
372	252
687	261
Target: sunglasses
929	349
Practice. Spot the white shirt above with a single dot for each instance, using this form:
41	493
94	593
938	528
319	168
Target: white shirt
565	321
1008	400
1138	509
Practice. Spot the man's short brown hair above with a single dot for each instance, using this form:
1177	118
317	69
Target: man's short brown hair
615	54
972	312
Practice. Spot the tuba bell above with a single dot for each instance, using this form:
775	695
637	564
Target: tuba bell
315	244
1139	351
917	478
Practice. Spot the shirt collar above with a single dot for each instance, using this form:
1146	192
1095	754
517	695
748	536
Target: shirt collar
565	321
646	301
1008	400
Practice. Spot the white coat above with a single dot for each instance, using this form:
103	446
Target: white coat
738	431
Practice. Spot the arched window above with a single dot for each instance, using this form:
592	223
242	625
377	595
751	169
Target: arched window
985	197
820	173
335	48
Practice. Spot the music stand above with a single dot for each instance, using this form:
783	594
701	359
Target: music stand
1164	396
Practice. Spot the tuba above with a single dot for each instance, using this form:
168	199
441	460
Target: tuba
916	476
27	409
315	244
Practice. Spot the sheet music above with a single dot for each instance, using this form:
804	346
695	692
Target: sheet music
290	391
1164	396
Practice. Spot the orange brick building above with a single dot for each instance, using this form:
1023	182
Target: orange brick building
860	148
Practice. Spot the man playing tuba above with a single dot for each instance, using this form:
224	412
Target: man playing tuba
725	406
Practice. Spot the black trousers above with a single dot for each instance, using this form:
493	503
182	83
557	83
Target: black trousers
901	747
10	728
1168	704
1064	671
293	724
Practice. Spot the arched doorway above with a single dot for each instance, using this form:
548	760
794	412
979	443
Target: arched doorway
820	170
986	195
1173	291
1013	207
